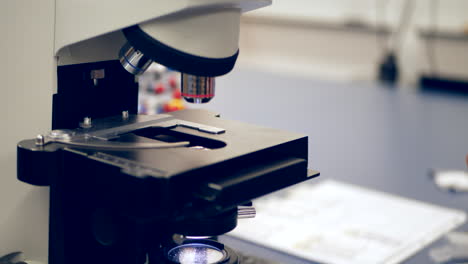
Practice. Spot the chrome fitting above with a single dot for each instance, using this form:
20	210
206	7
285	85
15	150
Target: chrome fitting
133	60
87	123
40	140
125	115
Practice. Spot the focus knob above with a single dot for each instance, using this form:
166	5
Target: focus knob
246	212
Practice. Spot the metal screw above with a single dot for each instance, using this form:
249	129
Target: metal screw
96	75
246	212
125	115
86	122
40	140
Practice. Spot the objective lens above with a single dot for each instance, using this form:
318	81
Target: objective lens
195	253
197	89
133	60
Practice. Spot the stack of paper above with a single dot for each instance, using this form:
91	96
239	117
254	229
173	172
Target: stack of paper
338	223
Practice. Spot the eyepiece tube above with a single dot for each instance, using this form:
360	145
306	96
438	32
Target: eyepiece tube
197	89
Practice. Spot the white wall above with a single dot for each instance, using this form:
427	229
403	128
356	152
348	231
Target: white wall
27	80
451	13
341	55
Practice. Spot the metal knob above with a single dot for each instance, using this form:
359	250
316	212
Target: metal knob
125	115
87	122
246	212
197	89
40	140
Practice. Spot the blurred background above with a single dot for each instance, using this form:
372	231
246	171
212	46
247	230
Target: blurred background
404	43
348	40
381	89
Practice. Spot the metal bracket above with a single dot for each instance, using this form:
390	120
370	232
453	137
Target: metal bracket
101	138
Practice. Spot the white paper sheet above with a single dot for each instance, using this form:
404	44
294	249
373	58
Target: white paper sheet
337	223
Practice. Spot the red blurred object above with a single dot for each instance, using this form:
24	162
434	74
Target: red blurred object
173	82
159	89
169	108
177	94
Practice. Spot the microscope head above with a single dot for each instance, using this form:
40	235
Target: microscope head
198	38
205	46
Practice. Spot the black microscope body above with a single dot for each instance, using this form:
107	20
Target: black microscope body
123	185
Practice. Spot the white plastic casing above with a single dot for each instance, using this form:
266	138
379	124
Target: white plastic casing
205	33
208	28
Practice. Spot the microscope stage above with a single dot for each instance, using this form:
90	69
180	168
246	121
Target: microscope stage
178	157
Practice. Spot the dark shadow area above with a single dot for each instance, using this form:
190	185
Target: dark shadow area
171	136
444	86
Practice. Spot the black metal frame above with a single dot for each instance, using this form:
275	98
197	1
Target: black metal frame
104	211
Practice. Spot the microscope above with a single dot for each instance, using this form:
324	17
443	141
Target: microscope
135	189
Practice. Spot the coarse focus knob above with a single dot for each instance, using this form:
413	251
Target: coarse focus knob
246	212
